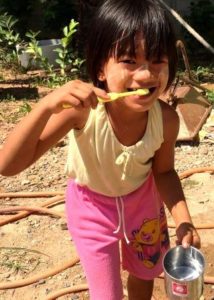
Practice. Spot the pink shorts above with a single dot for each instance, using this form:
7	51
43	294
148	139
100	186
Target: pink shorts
97	223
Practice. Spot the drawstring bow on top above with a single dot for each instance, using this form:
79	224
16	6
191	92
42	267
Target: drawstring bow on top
124	159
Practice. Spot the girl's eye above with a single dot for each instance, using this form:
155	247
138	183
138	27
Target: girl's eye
127	61
160	61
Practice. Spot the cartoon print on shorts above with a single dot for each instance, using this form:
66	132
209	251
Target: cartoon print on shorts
149	238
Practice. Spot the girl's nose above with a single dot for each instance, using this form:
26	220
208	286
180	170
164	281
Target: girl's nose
144	66
142	72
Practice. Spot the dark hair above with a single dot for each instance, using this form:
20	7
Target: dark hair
113	30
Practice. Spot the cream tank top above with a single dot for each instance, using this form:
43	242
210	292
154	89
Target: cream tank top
97	159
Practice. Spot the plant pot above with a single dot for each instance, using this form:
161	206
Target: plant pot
47	47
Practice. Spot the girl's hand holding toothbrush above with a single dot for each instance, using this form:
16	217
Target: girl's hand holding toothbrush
74	94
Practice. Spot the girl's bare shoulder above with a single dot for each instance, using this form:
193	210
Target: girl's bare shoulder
170	121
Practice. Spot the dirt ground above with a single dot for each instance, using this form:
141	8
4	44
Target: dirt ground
38	243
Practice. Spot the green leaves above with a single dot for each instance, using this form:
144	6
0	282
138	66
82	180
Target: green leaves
65	58
210	96
8	37
32	35
28	52
68	32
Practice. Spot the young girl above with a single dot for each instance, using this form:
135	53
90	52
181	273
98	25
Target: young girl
121	155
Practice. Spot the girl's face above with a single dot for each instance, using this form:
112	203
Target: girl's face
129	73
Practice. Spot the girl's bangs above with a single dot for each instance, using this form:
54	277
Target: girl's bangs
124	46
157	42
156	45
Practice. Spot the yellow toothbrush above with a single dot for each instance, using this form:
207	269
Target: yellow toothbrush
114	96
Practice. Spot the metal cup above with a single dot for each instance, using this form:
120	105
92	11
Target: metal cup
183	273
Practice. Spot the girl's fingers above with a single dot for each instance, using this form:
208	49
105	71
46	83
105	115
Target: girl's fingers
79	94
187	240
100	93
196	240
191	239
86	93
187	235
71	101
87	98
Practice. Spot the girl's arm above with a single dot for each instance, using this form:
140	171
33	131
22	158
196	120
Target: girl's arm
168	182
46	124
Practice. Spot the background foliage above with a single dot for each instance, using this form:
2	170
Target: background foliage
48	17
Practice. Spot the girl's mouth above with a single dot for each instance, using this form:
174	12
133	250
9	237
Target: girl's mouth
151	89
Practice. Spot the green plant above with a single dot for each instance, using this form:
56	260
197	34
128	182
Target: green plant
8	39
202	72
47	16
210	96
22	260
25	108
77	64
65	57
68	60
36	52
55	80
14	265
